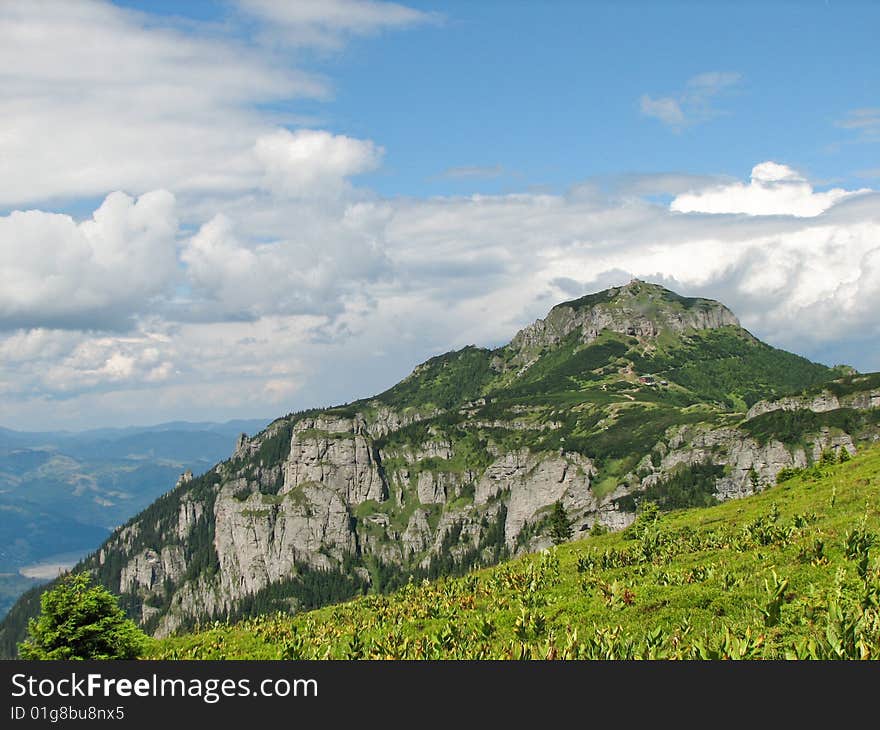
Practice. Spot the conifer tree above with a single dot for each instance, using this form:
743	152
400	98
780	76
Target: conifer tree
560	524
81	621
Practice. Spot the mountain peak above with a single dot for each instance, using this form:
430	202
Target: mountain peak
638	309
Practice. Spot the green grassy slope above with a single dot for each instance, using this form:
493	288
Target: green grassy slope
791	572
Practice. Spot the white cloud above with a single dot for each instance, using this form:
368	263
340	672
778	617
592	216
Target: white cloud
694	104
664	108
386	284
57	272
319	258
326	23
313	163
774	189
865	122
121	103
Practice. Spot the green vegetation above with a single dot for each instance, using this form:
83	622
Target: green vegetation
790	427
728	366
790	573
81	621
560	524
306	589
848	384
445	381
645	295
688	486
567	366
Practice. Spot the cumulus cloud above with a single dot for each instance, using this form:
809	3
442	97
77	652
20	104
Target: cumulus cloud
313	163
310	271
295	302
693	104
55	272
774	189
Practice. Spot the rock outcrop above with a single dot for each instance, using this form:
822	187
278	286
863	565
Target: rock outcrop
637	310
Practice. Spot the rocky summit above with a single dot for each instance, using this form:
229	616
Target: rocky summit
634	393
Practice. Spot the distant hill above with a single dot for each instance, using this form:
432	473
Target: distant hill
62	493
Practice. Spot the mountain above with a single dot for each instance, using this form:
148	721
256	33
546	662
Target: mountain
782	574
628	394
62	493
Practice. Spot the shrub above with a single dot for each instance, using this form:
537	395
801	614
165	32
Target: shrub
81	621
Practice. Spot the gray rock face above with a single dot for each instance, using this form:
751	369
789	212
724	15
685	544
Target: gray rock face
737	451
147	572
336	454
260	540
436	487
190	512
824	401
417	536
628	311
534	482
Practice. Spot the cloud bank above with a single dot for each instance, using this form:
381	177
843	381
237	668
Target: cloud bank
234	263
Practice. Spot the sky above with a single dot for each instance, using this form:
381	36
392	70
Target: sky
240	209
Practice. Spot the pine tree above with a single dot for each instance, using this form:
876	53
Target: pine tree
754	479
560	525
81	621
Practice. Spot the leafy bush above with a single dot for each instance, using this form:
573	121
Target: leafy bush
81	621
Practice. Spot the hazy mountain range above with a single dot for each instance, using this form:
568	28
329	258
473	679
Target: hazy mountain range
61	493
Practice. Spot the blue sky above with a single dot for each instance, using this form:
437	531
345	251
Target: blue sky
547	94
237	209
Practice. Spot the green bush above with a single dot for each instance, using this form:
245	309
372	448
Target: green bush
81	621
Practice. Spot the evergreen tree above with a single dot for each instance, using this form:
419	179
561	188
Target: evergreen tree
843	456
560	525
81	621
754	479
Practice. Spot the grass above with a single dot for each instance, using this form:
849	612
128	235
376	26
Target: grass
791	572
